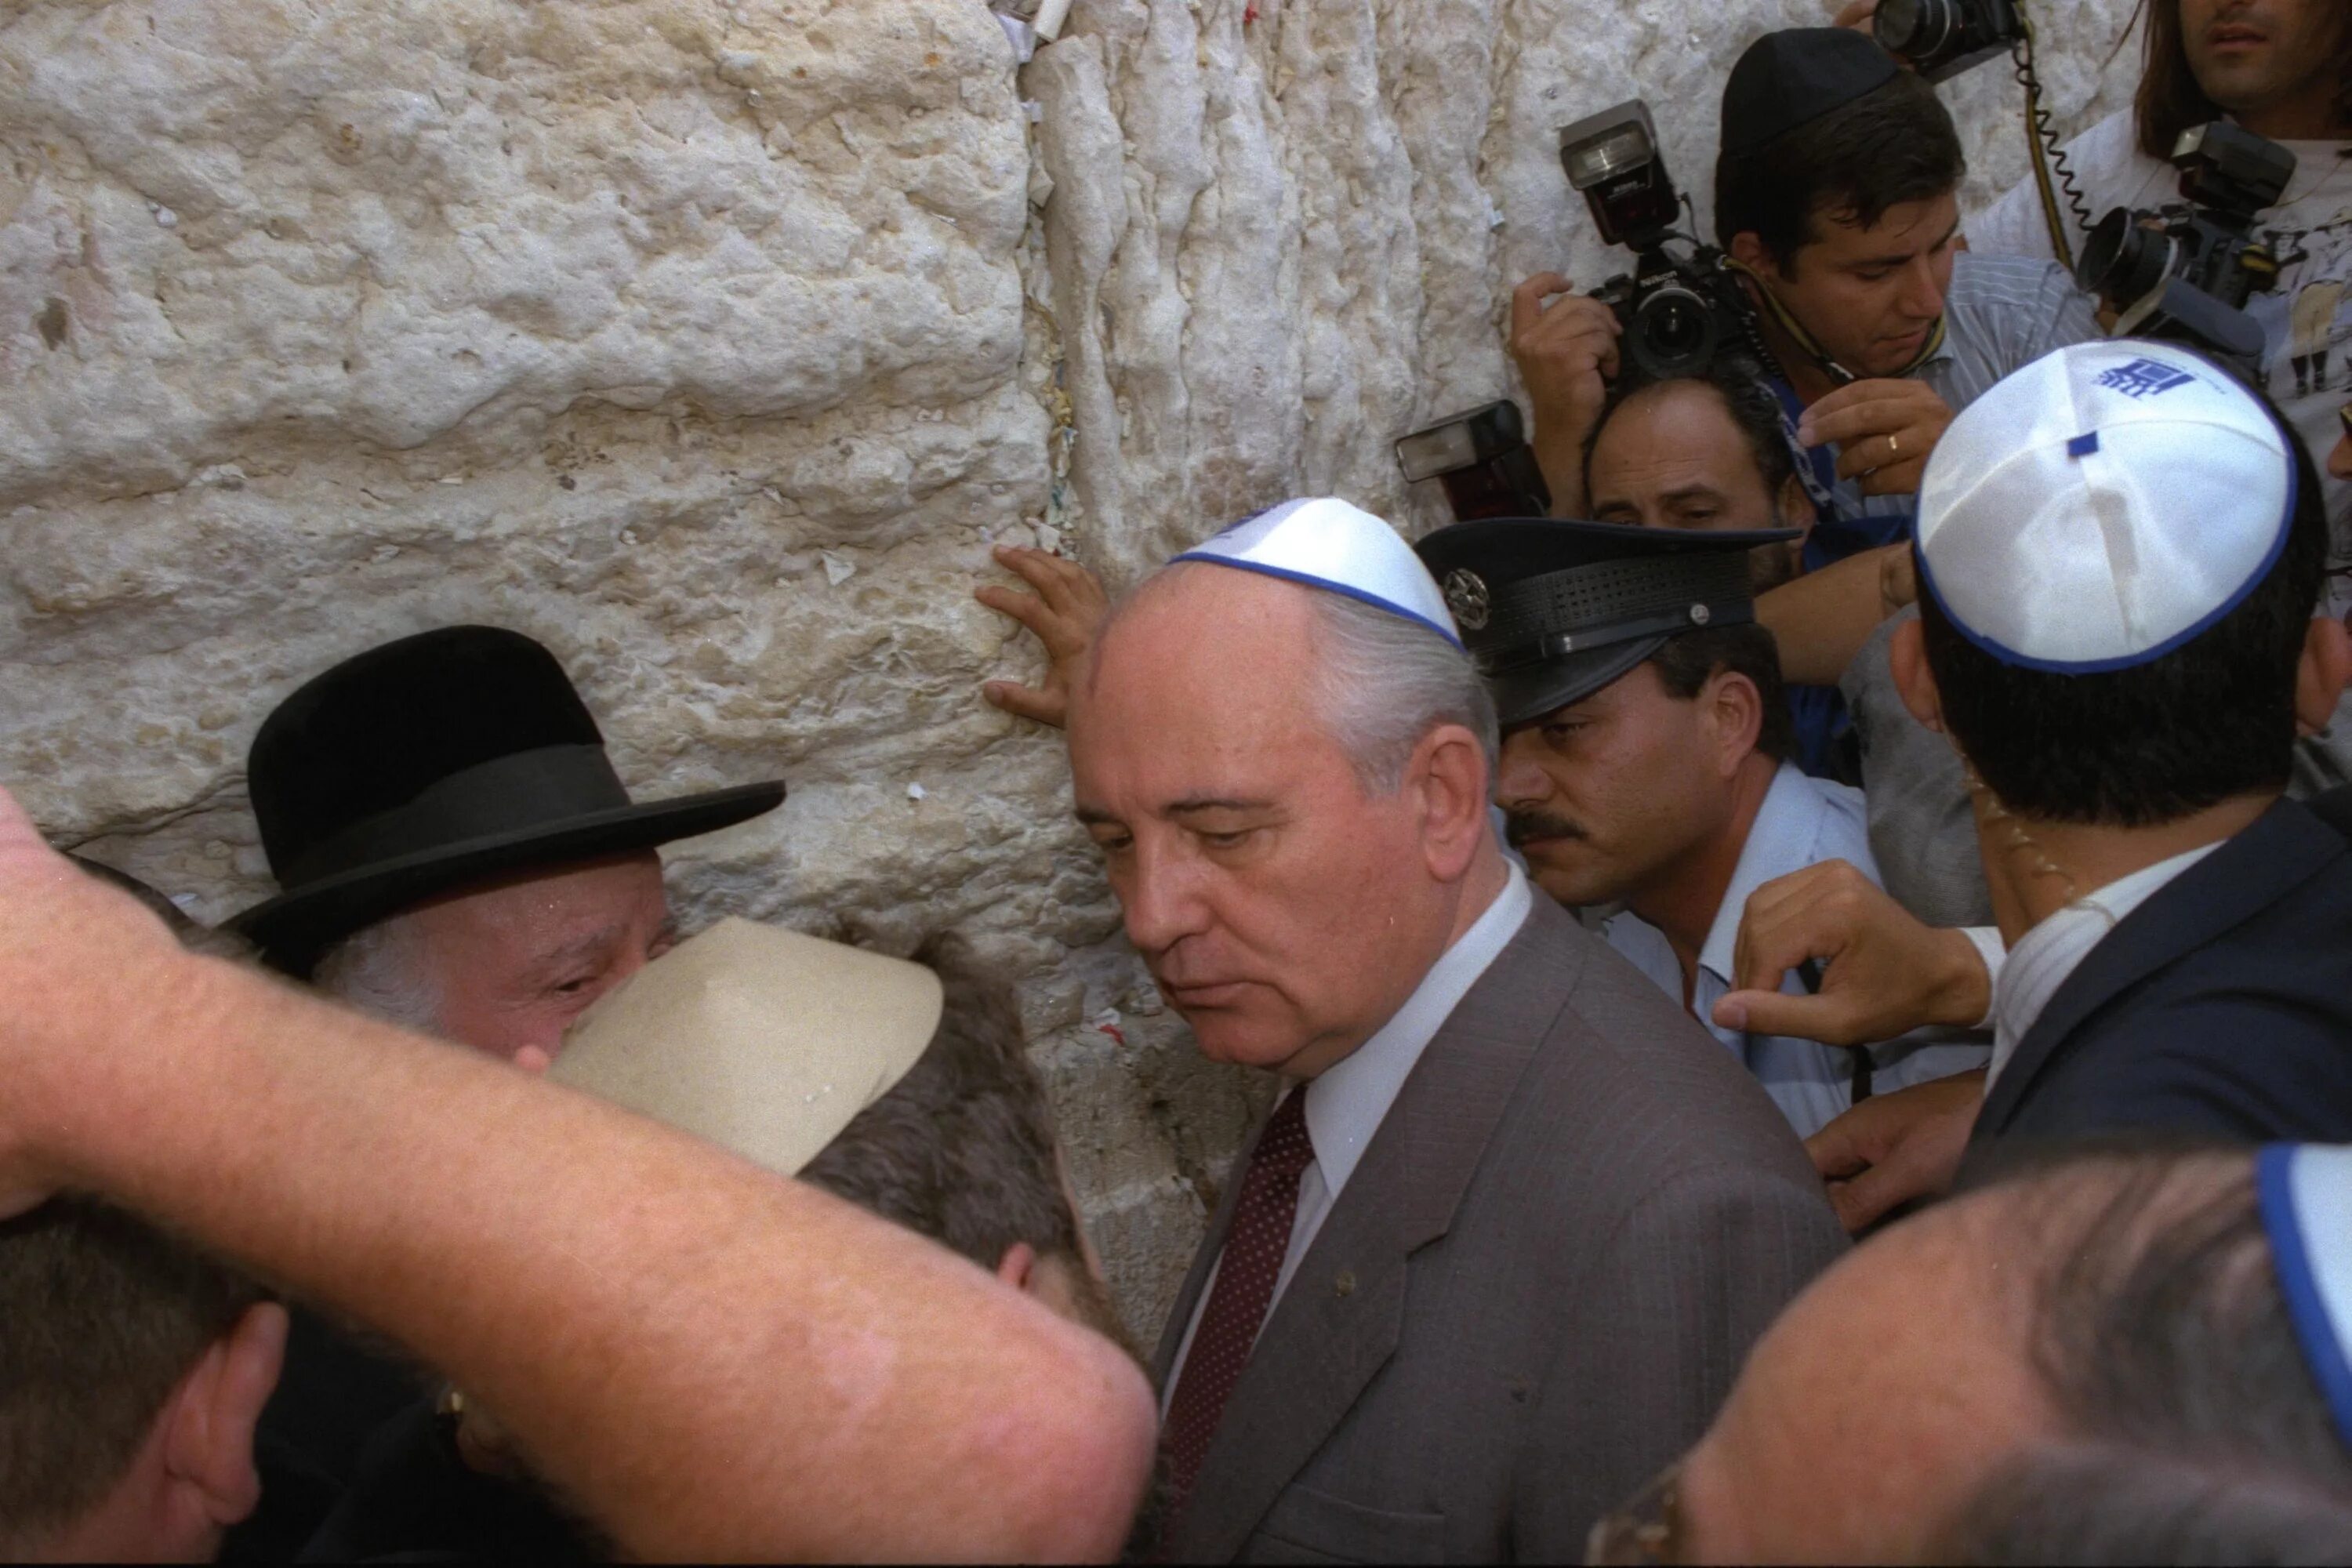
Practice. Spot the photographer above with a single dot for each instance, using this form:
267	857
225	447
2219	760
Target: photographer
2280	69
1834	198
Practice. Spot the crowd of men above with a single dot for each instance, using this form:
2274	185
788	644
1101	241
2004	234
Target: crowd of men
1811	993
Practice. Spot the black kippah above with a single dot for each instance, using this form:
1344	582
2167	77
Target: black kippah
1789	77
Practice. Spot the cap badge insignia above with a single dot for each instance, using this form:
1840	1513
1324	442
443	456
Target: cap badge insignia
1466	595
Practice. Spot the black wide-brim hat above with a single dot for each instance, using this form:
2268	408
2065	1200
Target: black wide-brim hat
432	763
1554	609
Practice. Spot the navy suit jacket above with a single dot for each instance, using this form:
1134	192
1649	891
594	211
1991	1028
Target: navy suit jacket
2221	1006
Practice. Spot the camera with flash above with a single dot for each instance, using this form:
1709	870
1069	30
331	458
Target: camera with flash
1676	310
2186	272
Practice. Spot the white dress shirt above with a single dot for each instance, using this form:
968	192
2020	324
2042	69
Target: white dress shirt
2044	956
1348	1102
1802	822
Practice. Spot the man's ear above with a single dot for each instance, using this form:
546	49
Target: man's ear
208	1447
1019	1262
2321	675
1795	505
1448	775
1748	250
1735	708
1907	652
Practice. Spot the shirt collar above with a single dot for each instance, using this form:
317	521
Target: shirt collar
1347	1101
1781	840
2045	956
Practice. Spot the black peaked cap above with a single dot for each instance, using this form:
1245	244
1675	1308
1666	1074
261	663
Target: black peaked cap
441	759
1554	610
1795	75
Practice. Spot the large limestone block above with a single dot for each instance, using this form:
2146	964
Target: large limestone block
425	217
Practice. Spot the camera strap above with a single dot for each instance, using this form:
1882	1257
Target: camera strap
1811	347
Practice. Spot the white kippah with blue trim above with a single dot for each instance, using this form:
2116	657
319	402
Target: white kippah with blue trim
2305	1191
1327	543
2101	506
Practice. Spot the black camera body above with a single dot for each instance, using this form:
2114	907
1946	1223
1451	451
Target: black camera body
1677	311
2186	274
1941	38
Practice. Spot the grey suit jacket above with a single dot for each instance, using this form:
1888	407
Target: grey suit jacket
1531	1294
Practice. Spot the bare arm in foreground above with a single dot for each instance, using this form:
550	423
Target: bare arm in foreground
716	1362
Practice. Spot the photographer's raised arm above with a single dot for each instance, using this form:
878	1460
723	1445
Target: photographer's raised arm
1564	345
712	1362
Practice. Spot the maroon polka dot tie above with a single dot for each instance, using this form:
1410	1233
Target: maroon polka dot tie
1254	1247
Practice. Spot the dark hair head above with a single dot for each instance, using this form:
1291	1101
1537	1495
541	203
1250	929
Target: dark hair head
2065	1505
2157	741
961	1148
2186	1425
1688	661
2170	102
1738	382
104	1315
1894	144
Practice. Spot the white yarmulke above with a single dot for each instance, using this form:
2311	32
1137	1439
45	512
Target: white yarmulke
1327	543
2101	506
2304	1191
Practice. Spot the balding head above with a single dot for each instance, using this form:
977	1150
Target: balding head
2000	1378
1287	886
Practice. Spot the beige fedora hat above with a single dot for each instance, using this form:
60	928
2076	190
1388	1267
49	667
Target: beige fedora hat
761	1040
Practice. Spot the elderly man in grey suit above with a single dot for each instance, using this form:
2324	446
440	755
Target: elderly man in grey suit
1499	1249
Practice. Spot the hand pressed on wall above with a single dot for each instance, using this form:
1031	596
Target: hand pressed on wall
1065	612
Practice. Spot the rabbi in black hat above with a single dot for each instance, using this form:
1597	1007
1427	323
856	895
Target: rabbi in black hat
455	854
1645	762
454	847
1835	197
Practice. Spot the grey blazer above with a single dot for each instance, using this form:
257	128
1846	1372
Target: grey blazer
1531	1294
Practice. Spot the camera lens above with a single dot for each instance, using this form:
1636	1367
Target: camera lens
1914	29
1673	333
2121	261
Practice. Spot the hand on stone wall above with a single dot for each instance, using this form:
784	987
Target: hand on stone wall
1567	353
1065	612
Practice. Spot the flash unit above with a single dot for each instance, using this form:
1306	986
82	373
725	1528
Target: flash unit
1612	152
1613	158
1483	459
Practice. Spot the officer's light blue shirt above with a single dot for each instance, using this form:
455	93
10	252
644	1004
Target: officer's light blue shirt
1803	822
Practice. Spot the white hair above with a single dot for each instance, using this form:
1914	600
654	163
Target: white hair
378	970
1384	683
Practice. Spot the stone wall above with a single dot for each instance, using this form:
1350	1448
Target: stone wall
712	341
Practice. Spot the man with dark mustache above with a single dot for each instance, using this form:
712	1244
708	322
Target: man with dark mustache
1646	763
